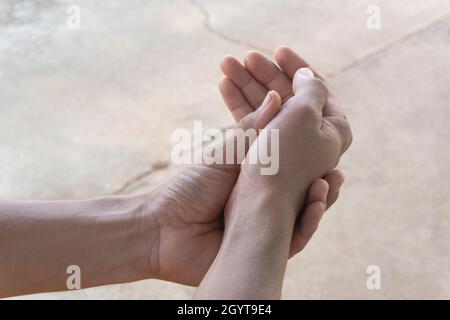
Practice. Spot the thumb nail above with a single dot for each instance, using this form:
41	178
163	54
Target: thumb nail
267	99
305	72
269	108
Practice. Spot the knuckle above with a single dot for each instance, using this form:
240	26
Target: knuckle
306	107
343	132
309	111
309	115
318	86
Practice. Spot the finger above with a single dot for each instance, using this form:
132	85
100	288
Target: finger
231	148
290	62
335	180
252	90
311	91
311	216
256	120
268	110
317	192
269	74
234	99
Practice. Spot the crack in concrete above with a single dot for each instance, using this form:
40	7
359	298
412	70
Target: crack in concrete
157	166
371	55
207	24
385	48
210	28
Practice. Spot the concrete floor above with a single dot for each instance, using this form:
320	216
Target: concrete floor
89	112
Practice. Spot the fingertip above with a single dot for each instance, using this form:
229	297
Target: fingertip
323	185
325	190
336	178
341	177
310	87
304	72
226	58
275	98
269	109
226	63
281	51
318	191
251	55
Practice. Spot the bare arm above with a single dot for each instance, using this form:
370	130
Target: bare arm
108	238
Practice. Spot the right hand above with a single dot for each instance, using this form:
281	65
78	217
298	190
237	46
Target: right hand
313	134
244	87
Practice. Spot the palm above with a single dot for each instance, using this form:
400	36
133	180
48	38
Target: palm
192	221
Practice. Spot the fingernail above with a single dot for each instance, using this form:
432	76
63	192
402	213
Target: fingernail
305	72
267	99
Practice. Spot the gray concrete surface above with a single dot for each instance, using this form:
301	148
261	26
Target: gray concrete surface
89	112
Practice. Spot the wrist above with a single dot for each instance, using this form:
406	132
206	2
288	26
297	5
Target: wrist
254	252
260	211
262	219
128	228
149	231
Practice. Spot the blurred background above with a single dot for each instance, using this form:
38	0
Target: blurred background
87	110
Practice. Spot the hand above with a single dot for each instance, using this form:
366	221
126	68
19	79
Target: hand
261	212
313	134
245	86
191	221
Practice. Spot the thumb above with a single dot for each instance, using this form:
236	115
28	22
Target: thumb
263	114
310	90
237	143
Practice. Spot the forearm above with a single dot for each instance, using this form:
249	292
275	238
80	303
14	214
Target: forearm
109	239
252	259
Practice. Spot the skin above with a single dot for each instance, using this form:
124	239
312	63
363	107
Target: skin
245	84
314	133
172	233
